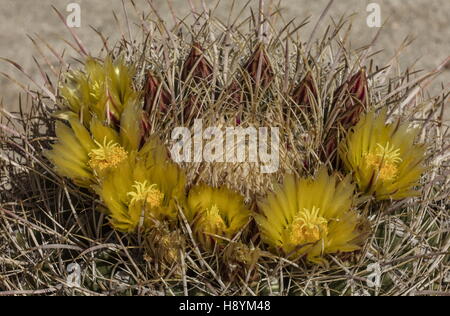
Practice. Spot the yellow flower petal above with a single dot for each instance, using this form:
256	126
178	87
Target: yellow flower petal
137	196
382	157
215	211
311	217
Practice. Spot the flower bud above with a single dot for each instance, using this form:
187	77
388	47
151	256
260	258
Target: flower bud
259	67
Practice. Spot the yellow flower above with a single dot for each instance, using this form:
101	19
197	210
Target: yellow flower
102	89
311	217
87	155
106	156
383	158
215	211
143	190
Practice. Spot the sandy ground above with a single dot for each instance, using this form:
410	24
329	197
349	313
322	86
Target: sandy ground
426	20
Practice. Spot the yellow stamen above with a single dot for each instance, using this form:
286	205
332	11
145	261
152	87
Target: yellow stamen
143	192
385	160
106	156
96	89
308	227
213	219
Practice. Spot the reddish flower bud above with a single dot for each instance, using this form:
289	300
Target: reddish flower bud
196	65
155	95
349	101
259	67
351	98
304	93
198	69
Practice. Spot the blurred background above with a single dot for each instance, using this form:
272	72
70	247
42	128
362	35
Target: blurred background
427	21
